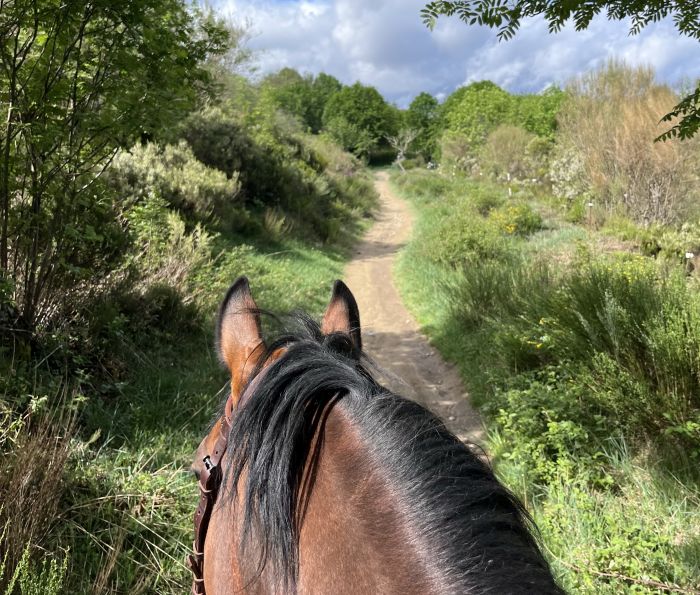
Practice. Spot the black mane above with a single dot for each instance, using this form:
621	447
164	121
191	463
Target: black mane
478	533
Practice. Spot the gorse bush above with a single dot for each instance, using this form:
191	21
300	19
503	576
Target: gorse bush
516	219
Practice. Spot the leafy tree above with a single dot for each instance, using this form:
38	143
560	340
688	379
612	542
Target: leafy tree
324	86
302	96
477	109
79	80
538	113
423	115
362	110
506	16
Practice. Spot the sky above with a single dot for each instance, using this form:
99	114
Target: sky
384	43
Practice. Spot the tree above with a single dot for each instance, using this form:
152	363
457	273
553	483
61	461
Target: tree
302	96
363	110
478	109
506	16
79	80
324	86
423	115
401	142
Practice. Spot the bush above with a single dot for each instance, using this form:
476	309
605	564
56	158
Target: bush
465	239
185	183
165	252
428	186
505	154
516	219
610	123
486	197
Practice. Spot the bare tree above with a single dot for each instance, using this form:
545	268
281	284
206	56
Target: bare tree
401	142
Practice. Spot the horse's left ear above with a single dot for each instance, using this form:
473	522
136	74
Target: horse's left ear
342	315
239	335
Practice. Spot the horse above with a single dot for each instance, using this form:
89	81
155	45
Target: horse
316	479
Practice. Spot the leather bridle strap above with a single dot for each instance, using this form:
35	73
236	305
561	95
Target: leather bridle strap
209	484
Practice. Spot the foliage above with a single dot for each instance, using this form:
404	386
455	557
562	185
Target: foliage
31	488
477	109
423	115
304	97
505	154
585	366
516	219
506	17
173	173
34	579
81	79
357	117
608	126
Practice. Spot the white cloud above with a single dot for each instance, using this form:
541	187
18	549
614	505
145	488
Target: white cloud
384	43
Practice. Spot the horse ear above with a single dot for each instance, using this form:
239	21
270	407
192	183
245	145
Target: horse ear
342	314
239	335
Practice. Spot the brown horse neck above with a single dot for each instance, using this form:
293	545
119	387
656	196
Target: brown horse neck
355	536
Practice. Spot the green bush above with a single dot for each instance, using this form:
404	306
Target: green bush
186	184
516	219
485	197
465	239
425	185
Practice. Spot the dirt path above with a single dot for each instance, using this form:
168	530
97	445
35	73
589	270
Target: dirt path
390	334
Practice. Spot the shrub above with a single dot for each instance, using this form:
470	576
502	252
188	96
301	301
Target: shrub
485	197
428	186
467	239
457	154
516	219
165	252
185	183
610	122
505	154
35	449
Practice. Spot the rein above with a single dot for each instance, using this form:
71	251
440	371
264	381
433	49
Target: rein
209	485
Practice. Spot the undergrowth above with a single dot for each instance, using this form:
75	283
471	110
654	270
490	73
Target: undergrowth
100	417
584	360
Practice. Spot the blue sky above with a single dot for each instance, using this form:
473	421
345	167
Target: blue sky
384	43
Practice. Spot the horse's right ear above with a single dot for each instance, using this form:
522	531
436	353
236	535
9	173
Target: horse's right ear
343	315
239	335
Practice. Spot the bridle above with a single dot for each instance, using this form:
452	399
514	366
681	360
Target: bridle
209	484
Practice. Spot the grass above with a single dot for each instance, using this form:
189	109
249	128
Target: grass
132	491
120	518
583	360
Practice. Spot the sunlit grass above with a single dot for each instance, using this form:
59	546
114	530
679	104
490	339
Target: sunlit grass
614	516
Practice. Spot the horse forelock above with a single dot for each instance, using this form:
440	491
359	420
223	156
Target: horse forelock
472	531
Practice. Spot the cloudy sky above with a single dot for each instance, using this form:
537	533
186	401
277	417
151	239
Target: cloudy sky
384	43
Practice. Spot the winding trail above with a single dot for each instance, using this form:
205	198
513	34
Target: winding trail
391	336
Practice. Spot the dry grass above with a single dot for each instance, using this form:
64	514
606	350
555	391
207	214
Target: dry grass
612	120
35	449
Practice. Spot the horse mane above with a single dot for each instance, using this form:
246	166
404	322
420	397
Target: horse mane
479	536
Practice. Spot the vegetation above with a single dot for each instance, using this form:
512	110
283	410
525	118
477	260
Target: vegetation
577	330
555	261
140	177
507	16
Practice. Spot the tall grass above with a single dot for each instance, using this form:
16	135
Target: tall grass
586	366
